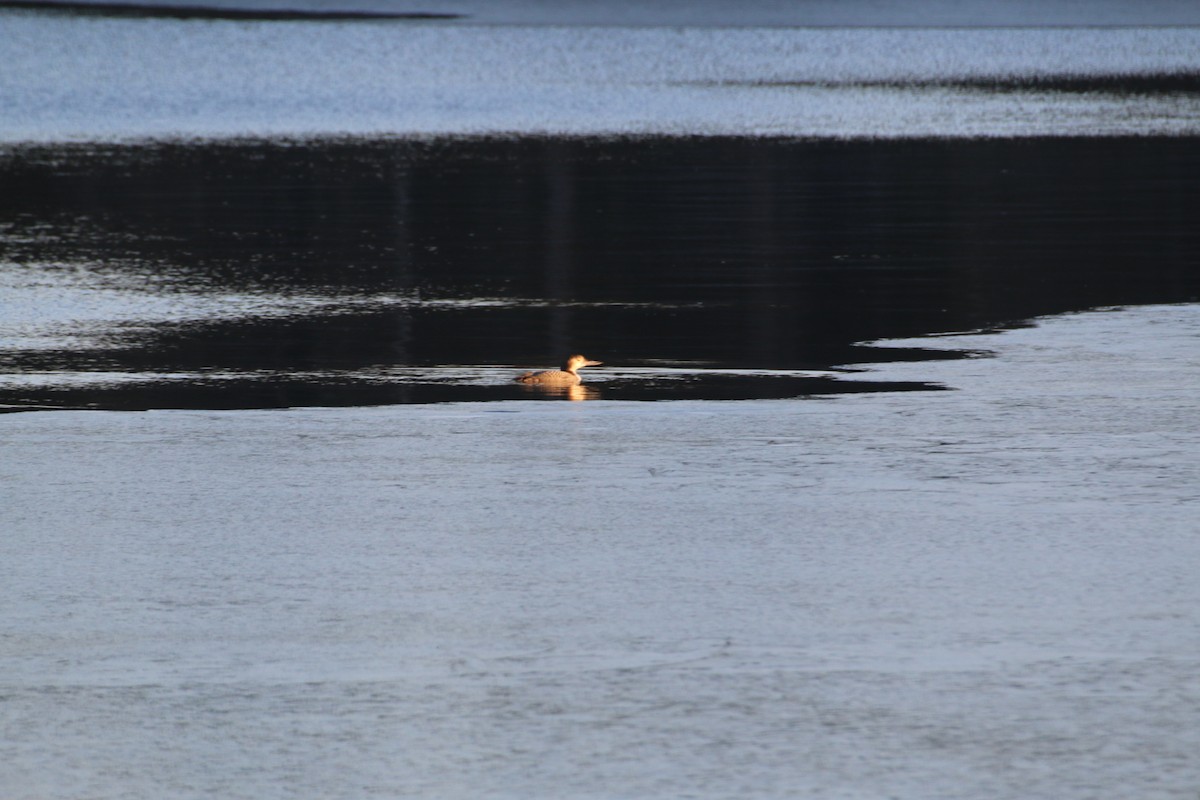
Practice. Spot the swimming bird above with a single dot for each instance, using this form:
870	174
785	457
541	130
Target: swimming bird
567	376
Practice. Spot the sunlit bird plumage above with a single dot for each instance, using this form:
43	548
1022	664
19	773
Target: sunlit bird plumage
567	376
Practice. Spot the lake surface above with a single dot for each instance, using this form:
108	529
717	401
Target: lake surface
129	78
242	275
331	550
981	593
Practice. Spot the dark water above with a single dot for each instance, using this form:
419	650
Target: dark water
419	271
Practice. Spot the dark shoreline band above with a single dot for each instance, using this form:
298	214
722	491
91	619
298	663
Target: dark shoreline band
147	11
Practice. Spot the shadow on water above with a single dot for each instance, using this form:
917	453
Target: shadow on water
254	274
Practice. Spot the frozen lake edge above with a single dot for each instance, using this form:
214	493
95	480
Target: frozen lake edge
987	592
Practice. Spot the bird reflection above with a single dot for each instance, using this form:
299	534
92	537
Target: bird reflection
575	393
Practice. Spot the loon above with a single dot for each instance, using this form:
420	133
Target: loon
567	376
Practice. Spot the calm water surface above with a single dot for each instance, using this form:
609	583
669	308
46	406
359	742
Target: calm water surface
264	274
211	210
985	593
864	71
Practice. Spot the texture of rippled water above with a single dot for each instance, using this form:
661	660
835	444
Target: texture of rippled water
259	275
93	78
249	230
982	593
